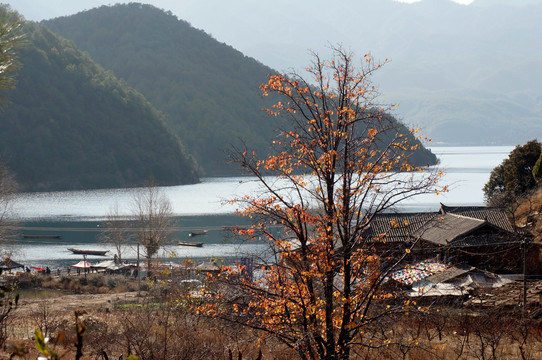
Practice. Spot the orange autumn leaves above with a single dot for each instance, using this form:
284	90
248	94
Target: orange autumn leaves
336	164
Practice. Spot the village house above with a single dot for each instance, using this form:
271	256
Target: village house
482	237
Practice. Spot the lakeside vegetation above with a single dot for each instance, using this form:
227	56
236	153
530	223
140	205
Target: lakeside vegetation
515	185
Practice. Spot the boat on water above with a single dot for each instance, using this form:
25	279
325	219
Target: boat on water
197	233
88	252
41	236
190	243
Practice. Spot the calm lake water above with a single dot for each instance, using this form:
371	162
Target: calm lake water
77	216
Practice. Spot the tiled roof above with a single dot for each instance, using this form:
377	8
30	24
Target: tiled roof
489	239
495	216
446	228
397	227
450	224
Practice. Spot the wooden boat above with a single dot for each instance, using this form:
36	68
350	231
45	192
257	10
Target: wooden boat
38	269
88	252
197	233
41	236
190	243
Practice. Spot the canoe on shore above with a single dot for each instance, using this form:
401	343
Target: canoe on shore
190	243
88	252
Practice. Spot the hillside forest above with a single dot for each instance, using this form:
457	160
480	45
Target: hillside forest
73	125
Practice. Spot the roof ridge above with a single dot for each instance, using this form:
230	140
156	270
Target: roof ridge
467	217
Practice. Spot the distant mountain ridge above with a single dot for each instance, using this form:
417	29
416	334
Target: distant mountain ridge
71	125
208	90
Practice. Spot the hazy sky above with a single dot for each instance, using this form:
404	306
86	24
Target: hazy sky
464	2
37	10
245	24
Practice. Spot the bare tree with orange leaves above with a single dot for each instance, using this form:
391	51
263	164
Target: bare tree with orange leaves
321	292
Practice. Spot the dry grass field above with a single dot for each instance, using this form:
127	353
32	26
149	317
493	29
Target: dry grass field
156	323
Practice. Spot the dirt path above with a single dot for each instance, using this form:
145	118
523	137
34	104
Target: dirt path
69	303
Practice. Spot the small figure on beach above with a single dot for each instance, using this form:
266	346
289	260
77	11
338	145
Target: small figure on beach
47	270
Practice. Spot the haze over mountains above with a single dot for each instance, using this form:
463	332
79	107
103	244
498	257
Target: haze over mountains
464	74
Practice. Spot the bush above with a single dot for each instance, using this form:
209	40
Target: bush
92	283
515	176
30	281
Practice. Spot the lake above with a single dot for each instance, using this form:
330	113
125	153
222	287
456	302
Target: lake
77	216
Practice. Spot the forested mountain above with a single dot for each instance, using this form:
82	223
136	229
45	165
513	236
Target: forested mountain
72	125
208	90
